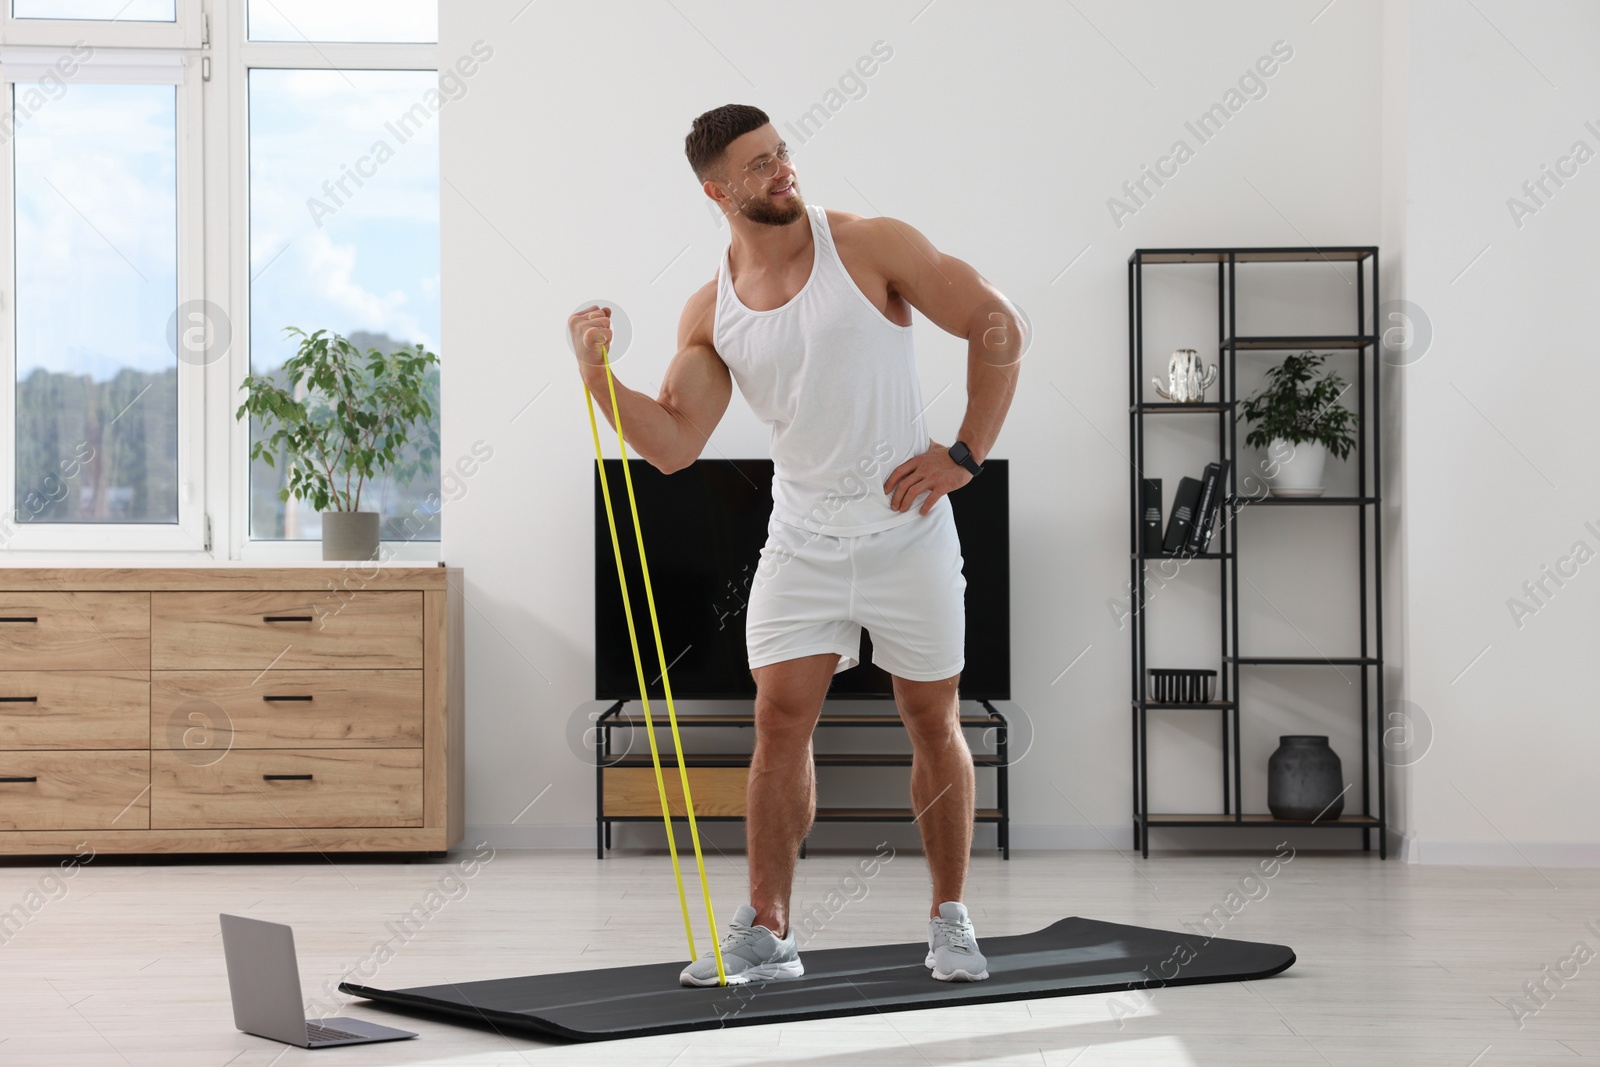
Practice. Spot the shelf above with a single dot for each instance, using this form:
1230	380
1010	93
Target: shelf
823	815
1342	254
1239	492
1159	407
1213	705
891	815
1302	661
1187	819
1307	340
822	759
718	769
1277	501
749	719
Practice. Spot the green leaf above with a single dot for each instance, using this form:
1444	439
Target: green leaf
333	409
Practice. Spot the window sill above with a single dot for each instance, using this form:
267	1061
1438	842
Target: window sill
310	552
298	553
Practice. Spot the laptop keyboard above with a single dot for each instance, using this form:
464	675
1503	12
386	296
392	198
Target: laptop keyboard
318	1032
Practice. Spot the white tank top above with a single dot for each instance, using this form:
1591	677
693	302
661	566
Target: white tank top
837	381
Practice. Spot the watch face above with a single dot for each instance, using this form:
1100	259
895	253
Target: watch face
963	457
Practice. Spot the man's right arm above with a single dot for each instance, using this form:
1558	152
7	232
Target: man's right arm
670	430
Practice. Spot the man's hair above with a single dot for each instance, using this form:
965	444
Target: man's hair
714	131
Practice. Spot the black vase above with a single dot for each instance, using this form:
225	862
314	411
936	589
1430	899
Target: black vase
1305	779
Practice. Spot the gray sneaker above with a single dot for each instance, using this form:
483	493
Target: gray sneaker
749	954
953	947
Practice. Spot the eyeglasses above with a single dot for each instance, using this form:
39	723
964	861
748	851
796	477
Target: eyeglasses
767	166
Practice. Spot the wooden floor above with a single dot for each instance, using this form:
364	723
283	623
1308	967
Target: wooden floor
1397	964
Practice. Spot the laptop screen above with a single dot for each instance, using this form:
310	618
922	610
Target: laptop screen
264	978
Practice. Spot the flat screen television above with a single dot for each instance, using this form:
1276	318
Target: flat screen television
704	527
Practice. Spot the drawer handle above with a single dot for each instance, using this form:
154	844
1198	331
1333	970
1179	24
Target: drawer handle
285	698
286	777
286	618
19	700
19	618
18	778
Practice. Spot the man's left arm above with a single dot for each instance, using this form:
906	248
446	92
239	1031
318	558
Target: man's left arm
960	301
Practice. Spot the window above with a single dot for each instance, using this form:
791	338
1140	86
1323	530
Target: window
103	23
96	248
344	236
178	183
371	21
101	202
108	10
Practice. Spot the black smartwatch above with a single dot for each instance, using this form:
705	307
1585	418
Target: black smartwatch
963	455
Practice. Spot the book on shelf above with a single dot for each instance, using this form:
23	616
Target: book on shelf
1150	523
1212	484
1184	504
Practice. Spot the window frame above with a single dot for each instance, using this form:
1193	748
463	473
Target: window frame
250	55
187	535
208	43
186	31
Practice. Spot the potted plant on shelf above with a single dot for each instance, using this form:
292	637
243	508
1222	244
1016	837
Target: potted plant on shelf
1299	421
349	423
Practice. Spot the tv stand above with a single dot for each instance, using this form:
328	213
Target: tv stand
625	787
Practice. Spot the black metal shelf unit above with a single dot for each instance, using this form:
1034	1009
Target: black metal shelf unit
1365	503
992	723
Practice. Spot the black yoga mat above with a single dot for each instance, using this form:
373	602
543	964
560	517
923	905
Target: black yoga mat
1068	957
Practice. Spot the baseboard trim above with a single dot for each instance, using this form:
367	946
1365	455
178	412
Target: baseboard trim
1406	848
729	837
1534	854
533	836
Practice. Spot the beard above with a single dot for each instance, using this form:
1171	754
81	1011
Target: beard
770	212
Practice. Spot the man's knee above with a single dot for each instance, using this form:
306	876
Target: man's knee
930	709
785	715
789	694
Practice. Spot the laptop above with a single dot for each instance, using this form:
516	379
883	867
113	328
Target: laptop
264	980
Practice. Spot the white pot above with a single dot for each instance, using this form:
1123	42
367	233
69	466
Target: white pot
1296	470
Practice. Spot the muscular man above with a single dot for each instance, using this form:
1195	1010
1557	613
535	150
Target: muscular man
810	314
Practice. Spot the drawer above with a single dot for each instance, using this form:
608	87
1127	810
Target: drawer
265	788
44	631
285	709
301	629
74	709
716	790
75	791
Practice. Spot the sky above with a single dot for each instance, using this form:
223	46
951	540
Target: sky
345	20
96	249
272	20
96	217
361	257
127	10
96	197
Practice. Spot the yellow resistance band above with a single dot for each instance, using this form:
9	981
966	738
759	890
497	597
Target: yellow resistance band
638	666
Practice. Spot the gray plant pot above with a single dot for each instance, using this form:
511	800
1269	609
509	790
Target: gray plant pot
350	535
1305	779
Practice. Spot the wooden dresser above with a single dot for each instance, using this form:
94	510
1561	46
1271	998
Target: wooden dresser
231	709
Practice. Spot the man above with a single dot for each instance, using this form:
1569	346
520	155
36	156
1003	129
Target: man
810	313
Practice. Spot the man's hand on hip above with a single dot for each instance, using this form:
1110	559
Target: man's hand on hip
933	472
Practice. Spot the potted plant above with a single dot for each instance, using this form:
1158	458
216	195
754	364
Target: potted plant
1299	421
349	423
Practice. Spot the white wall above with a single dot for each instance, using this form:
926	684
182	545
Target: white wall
1406	734
1002	132
1500	469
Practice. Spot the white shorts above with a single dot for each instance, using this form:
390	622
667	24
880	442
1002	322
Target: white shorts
813	593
